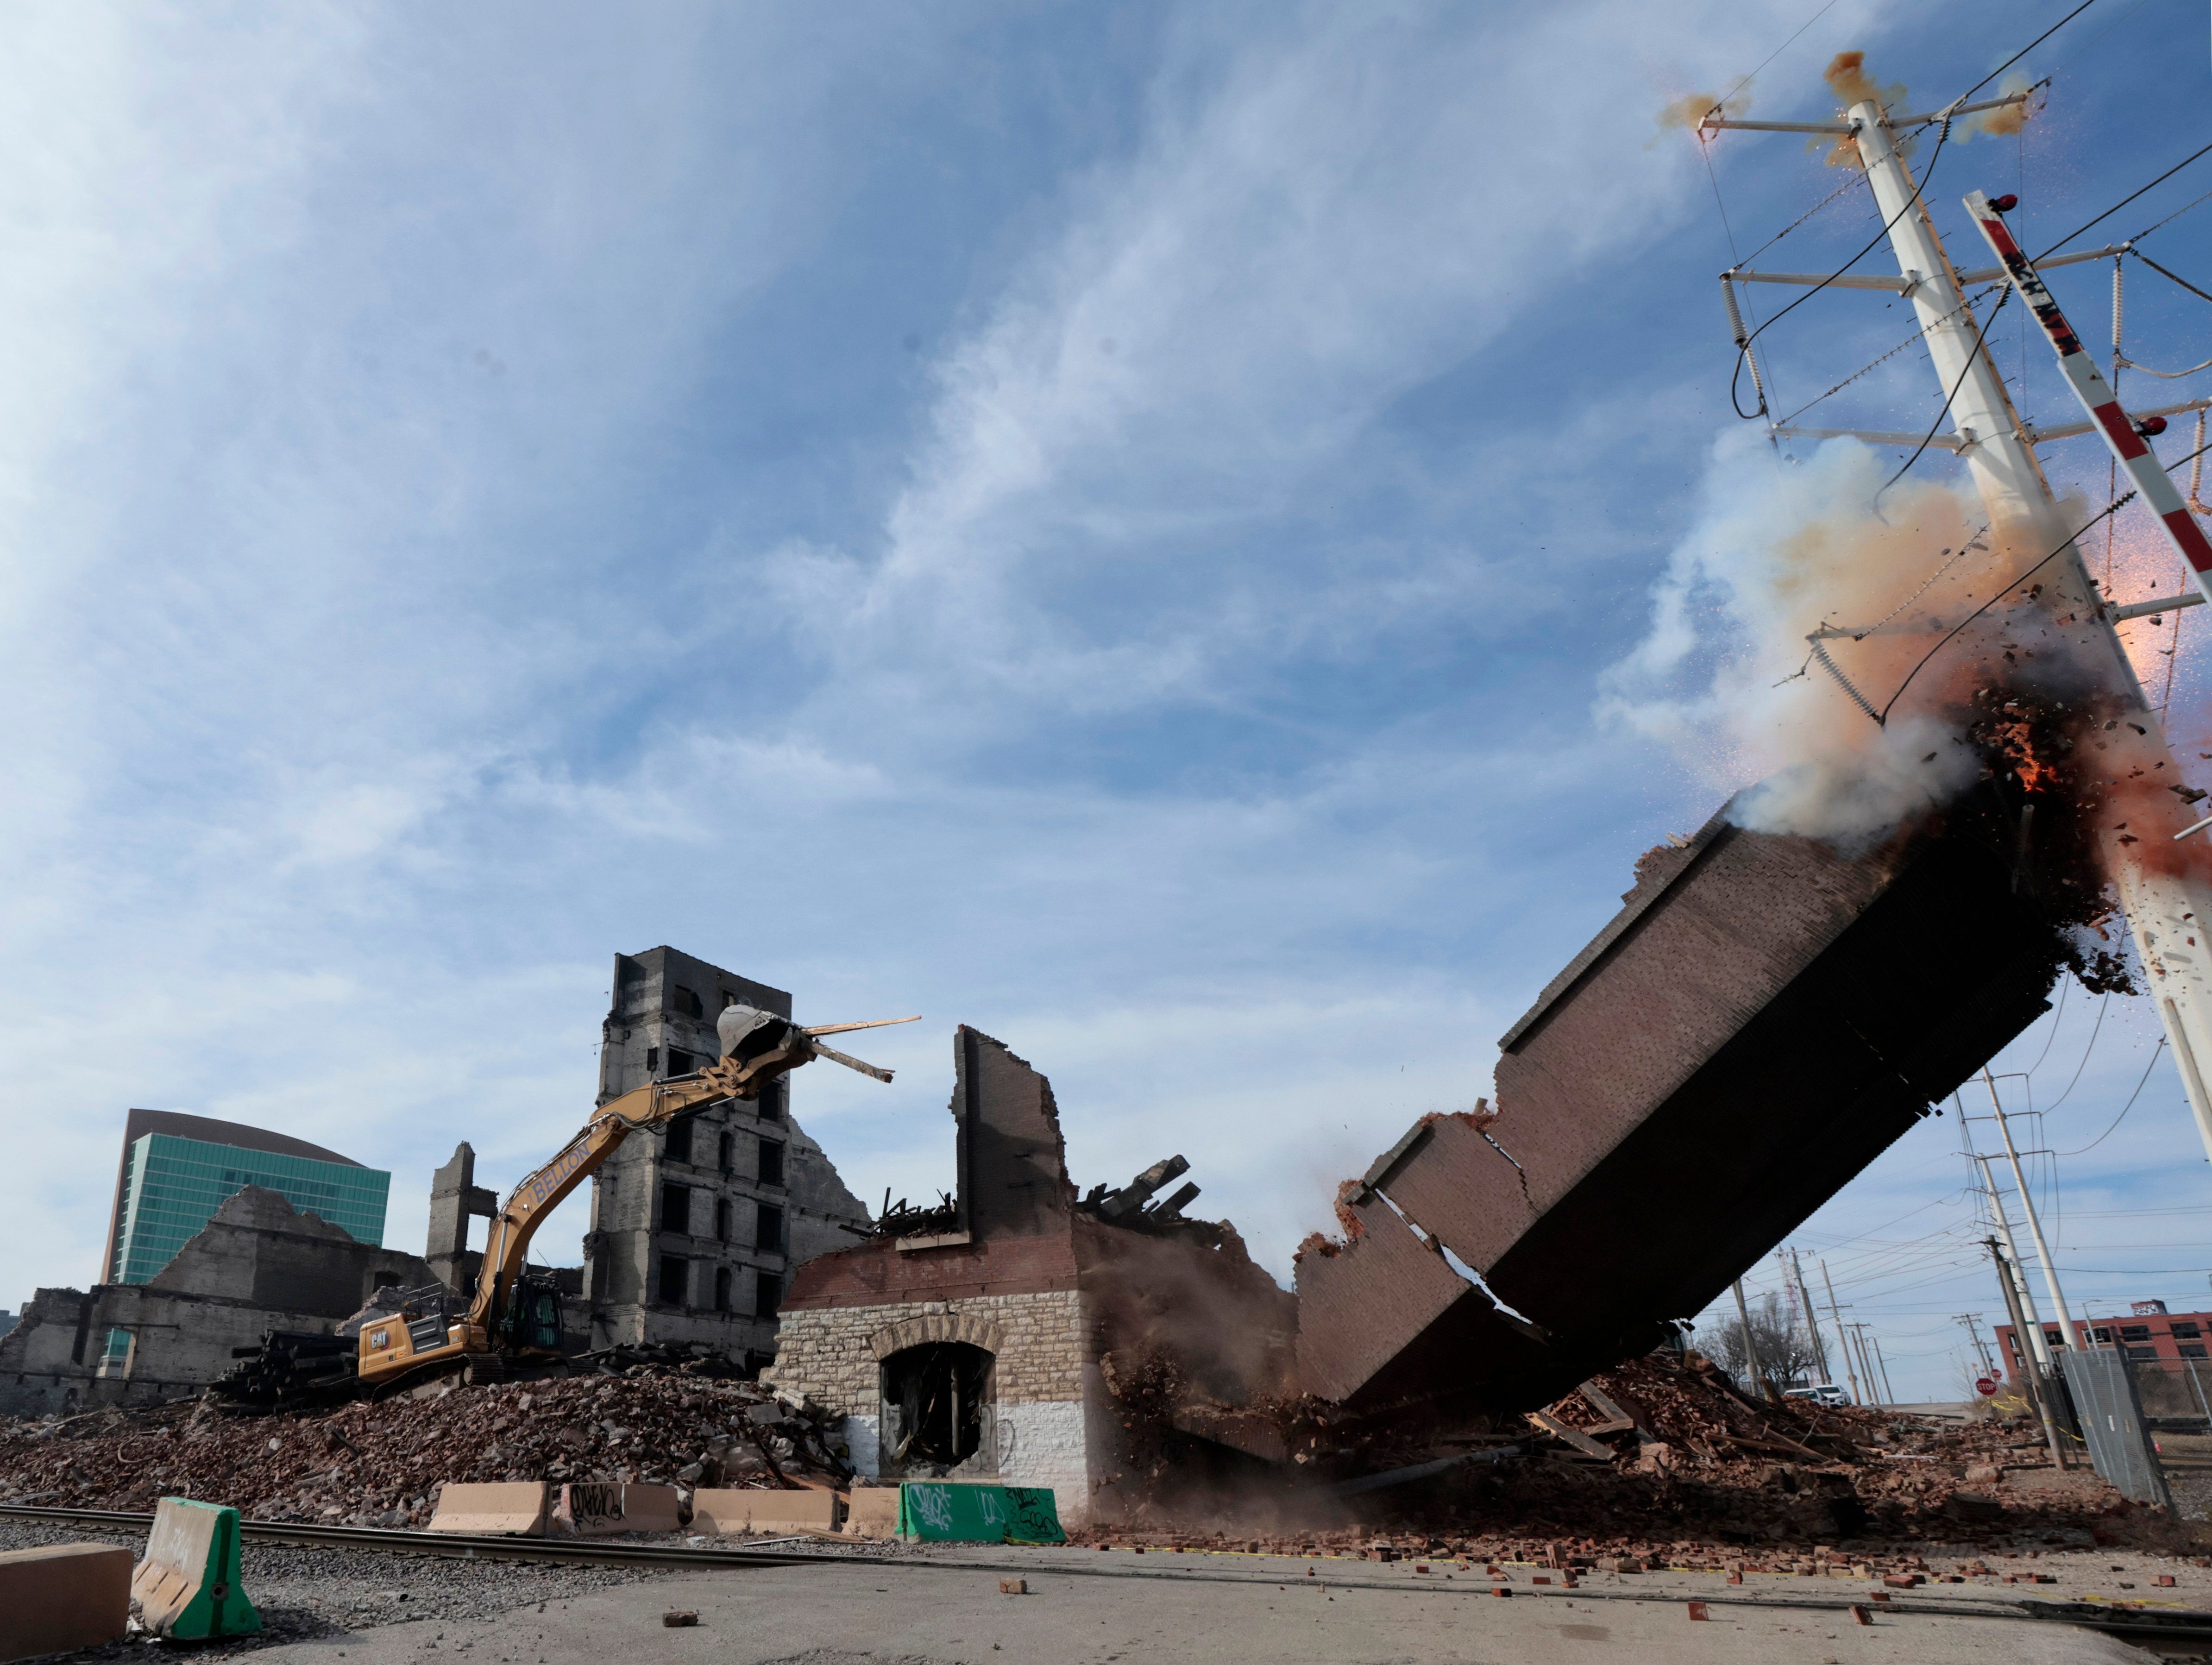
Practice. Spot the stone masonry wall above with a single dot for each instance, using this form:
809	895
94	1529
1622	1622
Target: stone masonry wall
834	1355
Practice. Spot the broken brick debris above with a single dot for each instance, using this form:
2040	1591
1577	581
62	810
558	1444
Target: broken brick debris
384	1464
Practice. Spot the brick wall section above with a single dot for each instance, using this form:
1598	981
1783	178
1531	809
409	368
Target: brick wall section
877	1273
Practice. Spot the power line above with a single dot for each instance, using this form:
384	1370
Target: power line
2125	1107
2096	1029
2124	201
1949	399
2112	507
1746	80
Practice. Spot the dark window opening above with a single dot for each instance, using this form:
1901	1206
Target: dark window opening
2102	1337
771	1162
768	1294
675	1208
2143	1352
2135	1331
768	1227
771	1102
651	1060
678	1147
722	1150
675	1278
935	1401
680	1063
2192	1350
722	1219
688	1003
2053	1339
721	1289
2181	1329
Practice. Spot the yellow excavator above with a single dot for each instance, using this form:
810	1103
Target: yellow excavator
514	1319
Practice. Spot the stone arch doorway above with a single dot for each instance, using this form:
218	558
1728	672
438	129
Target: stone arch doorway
939	1407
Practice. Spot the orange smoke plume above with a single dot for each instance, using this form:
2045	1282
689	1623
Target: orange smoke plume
1848	79
2001	124
1691	109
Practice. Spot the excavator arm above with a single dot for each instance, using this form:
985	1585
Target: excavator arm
757	1047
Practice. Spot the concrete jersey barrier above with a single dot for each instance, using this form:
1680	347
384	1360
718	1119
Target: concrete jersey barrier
871	1511
595	1509
510	1510
62	1597
188	1587
738	1509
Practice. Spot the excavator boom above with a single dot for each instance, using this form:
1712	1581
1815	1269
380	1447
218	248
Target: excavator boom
757	1047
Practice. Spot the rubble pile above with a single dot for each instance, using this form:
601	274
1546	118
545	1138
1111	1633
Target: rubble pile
1657	1459
382	1464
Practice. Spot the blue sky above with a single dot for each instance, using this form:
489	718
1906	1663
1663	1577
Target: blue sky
1114	526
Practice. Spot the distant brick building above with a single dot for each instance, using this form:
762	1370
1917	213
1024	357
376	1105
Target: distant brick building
2150	1332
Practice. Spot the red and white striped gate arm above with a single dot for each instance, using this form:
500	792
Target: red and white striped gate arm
2098	398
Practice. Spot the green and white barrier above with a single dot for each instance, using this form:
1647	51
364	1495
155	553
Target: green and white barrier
188	1587
953	1511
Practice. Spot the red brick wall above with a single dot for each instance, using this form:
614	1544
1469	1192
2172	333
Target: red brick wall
877	1273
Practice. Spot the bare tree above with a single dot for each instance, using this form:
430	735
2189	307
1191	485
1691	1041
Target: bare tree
1785	1350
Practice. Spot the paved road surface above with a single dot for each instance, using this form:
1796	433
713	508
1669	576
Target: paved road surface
1236	1611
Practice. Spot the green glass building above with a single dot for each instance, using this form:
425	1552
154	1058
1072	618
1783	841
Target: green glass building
178	1170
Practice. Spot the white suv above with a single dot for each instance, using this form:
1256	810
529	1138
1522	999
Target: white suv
1828	1393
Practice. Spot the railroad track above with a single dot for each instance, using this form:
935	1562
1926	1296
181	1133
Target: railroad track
449	1546
2131	1624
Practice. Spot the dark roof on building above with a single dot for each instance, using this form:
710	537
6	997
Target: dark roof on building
139	1123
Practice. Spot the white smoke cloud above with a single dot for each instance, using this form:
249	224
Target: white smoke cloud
1723	676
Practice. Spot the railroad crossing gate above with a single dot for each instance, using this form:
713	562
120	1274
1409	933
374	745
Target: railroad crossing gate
188	1586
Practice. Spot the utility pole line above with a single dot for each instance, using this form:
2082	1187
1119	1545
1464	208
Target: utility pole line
2165	909
2034	1226
1812	1324
2039	1348
1858	1335
1843	1342
1874	1389
2039	1392
1889	1392
1759	1381
1974	1335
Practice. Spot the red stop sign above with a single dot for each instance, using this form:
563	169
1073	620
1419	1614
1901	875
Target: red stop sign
1986	1387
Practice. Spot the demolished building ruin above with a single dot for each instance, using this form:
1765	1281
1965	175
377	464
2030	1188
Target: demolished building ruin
258	1265
696	1230
986	1339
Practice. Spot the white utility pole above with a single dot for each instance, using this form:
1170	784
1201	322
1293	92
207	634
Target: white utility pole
1843	1342
2164	908
2034	1226
1981	1348
1811	1325
1750	1347
2160	905
2038	1348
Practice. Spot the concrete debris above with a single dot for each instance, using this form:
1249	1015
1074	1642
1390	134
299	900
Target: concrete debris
367	1464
